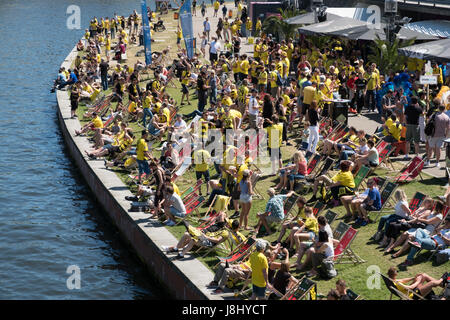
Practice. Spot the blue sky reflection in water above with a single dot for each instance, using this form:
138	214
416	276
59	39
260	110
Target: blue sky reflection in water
48	218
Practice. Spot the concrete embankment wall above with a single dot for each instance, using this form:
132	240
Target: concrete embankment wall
185	279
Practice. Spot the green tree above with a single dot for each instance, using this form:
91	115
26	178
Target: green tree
278	27
386	55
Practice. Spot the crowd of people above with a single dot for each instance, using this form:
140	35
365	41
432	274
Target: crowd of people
285	90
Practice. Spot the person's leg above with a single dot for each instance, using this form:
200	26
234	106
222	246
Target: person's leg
300	252
346	200
219	273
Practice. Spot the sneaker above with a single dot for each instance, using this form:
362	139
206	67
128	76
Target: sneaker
171	223
376	236
437	165
407	263
406	157
358	220
217	291
180	255
131	198
168	249
364	223
235	215
427	163
414	244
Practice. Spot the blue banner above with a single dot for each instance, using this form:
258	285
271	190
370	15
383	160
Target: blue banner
146	29
187	28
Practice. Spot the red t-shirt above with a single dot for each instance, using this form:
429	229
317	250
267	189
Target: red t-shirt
302	167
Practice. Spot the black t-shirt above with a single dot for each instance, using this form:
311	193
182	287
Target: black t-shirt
236	45
360	84
313	117
200	84
267	110
413	113
118	89
104	68
281	281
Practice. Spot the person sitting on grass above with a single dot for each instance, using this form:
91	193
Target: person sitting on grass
96	125
208	240
339	185
274	210
297	170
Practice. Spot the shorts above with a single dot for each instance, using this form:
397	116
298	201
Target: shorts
305	108
272	218
294	176
178	40
412	133
245	198
205	174
206	243
436	142
259	291
273	91
312	235
73	105
143	167
369	207
184	88
174	211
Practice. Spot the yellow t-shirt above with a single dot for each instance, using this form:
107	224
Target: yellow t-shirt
395	129
262	78
258	262
273	79
388	124
240	173
311	224
372	81
166	113
98	123
141	147
216	5
244	66
227	101
308	94
272	131
345	178
201	157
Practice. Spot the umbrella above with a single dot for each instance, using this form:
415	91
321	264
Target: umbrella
434	50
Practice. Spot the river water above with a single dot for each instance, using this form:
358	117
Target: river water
49	219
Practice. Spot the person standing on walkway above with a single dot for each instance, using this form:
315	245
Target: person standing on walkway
412	113
104	66
194	6
202	89
206	27
441	124
203	10
216	8
213	46
143	155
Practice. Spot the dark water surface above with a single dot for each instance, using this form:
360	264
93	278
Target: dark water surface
48	218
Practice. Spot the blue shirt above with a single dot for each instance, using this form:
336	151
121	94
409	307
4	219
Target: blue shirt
73	77
275	206
206	25
374	195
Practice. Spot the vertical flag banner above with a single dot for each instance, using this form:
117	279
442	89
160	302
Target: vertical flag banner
187	28
146	29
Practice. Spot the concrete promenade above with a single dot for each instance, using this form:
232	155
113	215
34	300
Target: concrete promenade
185	279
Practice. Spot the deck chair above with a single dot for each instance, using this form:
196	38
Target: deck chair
304	289
390	285
289	204
330	216
416	201
308	155
325	166
410	171
380	182
191	189
386	193
318	207
187	161
254	178
219	203
313	163
193	206
240	253
384	151
343	253
353	295
340	230
304	146
360	176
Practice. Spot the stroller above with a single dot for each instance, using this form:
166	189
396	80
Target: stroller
159	26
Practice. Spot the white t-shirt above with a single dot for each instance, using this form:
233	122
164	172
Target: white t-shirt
363	149
177	203
253	106
430	228
399	211
180	124
329	251
328	230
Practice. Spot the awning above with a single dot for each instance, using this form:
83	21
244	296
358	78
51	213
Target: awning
331	26
438	28
435	50
367	33
332	14
307	18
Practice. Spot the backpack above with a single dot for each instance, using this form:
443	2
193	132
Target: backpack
279	80
431	126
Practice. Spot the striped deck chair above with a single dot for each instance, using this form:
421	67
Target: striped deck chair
353	295
340	134
240	253
410	171
313	163
191	189
187	161
193	206
340	230
308	155
219	203
254	178
324	167
110	119
343	254
360	176
305	289
416	201
386	193
384	151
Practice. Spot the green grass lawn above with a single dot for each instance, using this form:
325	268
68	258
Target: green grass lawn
356	276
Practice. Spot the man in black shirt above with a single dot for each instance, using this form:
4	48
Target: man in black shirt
412	113
134	91
202	89
104	74
360	84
